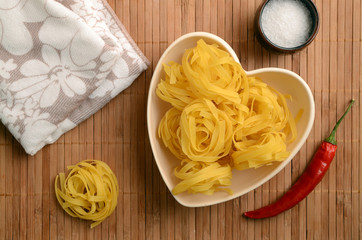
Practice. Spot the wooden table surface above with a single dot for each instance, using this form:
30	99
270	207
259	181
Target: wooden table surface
117	134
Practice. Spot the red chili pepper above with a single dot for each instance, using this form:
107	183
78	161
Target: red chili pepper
309	179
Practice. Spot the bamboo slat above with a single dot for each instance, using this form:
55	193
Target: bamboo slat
2	182
117	134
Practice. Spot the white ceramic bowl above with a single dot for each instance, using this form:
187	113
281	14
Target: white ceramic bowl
242	181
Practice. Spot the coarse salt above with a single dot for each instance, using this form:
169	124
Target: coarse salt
286	23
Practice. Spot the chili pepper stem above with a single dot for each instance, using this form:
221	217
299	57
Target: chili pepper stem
332	137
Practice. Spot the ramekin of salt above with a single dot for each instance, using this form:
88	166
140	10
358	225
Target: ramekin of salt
287	25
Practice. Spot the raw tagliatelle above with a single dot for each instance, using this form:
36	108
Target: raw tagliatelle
220	119
89	192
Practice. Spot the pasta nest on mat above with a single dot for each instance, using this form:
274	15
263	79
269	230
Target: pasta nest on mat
89	192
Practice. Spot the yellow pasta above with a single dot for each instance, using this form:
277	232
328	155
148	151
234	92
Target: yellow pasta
89	192
206	131
221	119
212	73
175	88
200	177
169	131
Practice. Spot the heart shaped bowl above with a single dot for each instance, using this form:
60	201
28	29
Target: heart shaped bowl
284	81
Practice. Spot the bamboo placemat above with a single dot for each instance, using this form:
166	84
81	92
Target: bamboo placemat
117	134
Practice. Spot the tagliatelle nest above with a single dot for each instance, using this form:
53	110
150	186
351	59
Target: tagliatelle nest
89	192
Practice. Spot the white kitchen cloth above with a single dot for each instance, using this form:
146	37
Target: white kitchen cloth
60	62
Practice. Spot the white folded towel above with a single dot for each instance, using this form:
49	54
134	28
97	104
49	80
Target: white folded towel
60	62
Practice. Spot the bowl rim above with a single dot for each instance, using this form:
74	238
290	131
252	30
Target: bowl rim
249	73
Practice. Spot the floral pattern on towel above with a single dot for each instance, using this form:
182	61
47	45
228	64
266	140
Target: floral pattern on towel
60	62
